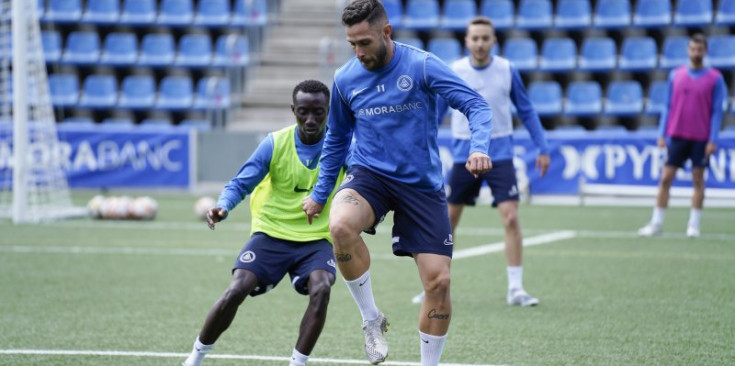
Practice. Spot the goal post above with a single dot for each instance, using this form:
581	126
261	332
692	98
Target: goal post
33	183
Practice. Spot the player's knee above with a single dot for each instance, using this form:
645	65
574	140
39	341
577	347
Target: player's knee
341	230
319	293
510	219
438	284
234	296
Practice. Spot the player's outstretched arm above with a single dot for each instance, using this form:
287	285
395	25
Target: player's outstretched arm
311	208
478	163
215	215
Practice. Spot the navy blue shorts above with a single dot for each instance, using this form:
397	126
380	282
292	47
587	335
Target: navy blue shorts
464	188
270	259
680	150
420	220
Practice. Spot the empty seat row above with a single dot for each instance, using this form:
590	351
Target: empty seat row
156	49
147	123
139	92
568	14
585	98
595	54
147	12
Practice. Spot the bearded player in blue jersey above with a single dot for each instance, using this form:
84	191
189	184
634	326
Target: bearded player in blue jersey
501	85
386	97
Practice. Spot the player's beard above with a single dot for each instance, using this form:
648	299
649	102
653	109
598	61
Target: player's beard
379	60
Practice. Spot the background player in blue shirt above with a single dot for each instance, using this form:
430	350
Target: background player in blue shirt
386	96
500	84
282	165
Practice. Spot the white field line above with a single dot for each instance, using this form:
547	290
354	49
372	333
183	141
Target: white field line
527	242
313	360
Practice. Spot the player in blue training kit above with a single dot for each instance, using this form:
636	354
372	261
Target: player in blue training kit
500	84
278	175
386	96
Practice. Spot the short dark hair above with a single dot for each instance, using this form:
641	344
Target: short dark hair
699	38
310	86
481	20
362	10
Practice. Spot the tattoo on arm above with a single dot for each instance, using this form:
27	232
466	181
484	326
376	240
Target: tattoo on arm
349	198
433	314
343	257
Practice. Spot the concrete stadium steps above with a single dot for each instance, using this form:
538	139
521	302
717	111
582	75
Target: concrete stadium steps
290	54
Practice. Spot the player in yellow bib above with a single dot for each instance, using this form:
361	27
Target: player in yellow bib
278	176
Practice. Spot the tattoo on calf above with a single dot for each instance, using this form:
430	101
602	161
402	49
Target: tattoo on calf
343	257
433	314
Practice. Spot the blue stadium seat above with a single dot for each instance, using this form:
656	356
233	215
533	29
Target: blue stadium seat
101	11
118	122
63	11
638	54
583	98
82	48
447	49
612	14
212	93
674	52
693	13
522	52
624	98
40	8
725	12
257	14
457	13
231	50
194	50
598	54
120	49
175	92
572	14
652	13
157	49
534	14
501	12
212	12
394	9
421	15
138	12
99	91
78	121
176	12
657	94
412	41
546	97
156	124
51	41
137	91
558	54
64	89
721	52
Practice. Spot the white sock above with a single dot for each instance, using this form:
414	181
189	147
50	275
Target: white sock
362	291
197	353
659	214
431	348
694	216
515	277
297	359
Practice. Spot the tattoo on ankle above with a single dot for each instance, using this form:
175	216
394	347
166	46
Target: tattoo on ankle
433	314
343	257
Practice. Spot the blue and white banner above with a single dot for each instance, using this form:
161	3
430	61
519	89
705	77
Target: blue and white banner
126	158
606	157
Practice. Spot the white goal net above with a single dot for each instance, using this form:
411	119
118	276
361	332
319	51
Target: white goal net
33	183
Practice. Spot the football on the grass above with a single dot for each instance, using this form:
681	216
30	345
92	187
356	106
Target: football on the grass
202	205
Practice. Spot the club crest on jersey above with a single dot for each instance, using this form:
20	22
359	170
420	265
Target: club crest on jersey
405	83
247	257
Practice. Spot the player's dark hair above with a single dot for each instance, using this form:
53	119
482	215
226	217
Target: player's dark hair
310	86
699	38
483	20
358	11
